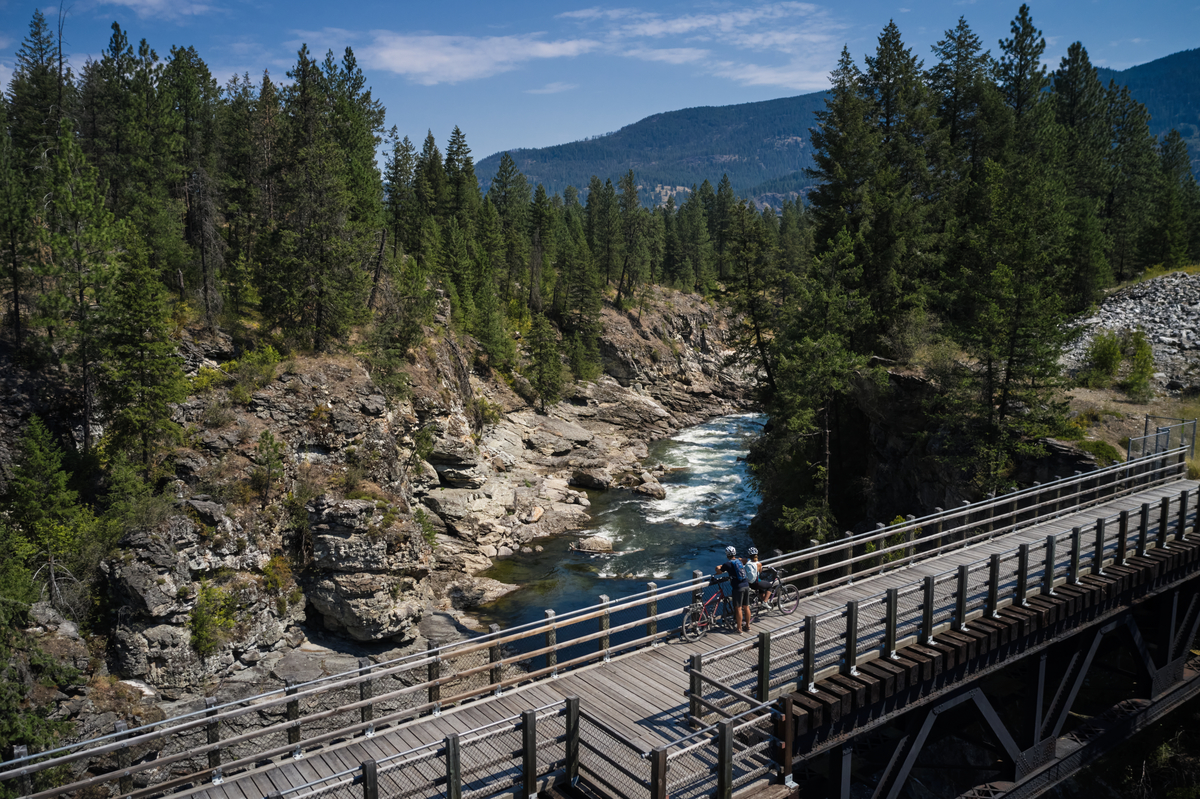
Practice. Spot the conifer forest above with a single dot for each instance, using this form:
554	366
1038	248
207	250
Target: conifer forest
967	202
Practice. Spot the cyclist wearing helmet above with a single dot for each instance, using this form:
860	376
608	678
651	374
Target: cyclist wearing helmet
757	583
739	588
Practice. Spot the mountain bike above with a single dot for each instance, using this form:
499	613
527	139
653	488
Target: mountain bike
703	616
784	597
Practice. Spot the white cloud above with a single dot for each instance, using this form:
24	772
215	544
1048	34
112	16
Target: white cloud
797	77
430	59
165	9
669	55
553	88
6	74
796	43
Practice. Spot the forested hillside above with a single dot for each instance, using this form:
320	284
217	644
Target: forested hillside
752	143
765	147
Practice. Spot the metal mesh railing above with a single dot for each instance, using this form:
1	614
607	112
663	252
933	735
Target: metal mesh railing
910	604
872	623
1162	438
830	638
418	773
491	761
978	576
787	649
610	762
945	592
751	749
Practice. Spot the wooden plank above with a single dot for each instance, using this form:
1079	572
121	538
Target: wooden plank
885	680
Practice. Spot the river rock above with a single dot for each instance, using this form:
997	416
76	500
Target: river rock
596	543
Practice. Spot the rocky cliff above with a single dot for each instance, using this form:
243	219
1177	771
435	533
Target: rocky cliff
386	509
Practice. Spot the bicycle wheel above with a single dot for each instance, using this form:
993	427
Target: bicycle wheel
786	598
694	624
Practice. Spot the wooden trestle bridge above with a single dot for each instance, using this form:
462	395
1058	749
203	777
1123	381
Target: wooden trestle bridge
1036	594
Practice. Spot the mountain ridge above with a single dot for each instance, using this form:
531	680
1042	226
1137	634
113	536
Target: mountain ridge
764	146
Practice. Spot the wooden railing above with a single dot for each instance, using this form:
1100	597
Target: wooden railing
795	657
212	743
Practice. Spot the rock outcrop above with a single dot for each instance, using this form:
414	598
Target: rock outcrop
1167	308
388	508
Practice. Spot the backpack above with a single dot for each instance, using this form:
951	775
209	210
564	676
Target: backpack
752	572
739	569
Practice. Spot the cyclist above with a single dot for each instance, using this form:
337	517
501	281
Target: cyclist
739	587
758	580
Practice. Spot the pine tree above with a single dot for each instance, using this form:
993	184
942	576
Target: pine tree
509	193
400	208
15	213
603	226
313	288
545	368
633	236
1132	167
141	370
79	238
38	93
239	176
462	185
429	181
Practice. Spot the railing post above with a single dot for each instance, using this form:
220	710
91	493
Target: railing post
910	536
365	692
847	554
1098	552
960	599
697	587
937	528
852	637
652	611
812	564
993	596
965	528
293	714
25	781
725	759
1122	538
551	644
889	635
764	666
1036	496
529	752
1073	572
927	609
605	623
1181	525
1164	514
658	773
433	675
124	758
1048	568
785	733
1143	530
370	779
572	739
1058	489
881	544
1022	576
494	657
213	728
695	686
991	513
810	654
453	767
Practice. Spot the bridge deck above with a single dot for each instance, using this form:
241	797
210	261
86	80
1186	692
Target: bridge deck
641	693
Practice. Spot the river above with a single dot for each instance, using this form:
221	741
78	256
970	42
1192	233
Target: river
709	505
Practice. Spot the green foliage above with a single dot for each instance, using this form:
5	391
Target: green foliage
1103	359
255	369
277	574
428	531
545	368
212	619
1106	454
1141	366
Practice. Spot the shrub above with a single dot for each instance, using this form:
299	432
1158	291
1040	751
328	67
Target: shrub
217	414
428	531
256	368
1103	360
206	380
1106	454
277	574
1141	356
212	619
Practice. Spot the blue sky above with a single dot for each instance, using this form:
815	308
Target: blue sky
536	73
